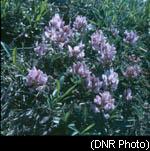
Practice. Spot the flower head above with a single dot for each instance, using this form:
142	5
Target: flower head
36	77
80	69
98	100
132	71
107	53
93	83
56	22
40	49
80	23
130	37
98	40
110	78
105	101
77	51
57	32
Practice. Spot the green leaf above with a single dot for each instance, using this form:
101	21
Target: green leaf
54	93
72	127
65	95
62	80
68	92
6	48
66	116
14	55
58	87
88	128
38	18
43	6
75	133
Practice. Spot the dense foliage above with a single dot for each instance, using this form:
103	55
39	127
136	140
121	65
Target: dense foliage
75	67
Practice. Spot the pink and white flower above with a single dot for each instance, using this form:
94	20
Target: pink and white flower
132	71
80	69
77	51
36	77
130	37
80	23
98	40
104	101
93	83
110	79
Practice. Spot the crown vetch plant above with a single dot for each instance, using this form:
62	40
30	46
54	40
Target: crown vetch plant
86	74
104	85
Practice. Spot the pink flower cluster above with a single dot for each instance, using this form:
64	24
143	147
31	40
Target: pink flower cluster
104	101
40	49
110	79
36	78
58	32
106	51
61	35
107	54
77	51
80	23
93	83
98	40
132	71
81	69
130	37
